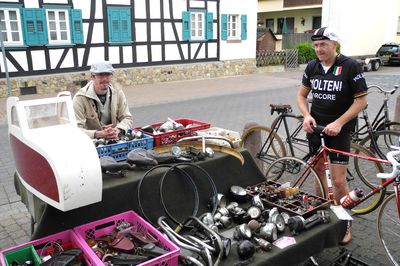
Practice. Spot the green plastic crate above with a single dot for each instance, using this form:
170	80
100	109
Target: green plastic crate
21	255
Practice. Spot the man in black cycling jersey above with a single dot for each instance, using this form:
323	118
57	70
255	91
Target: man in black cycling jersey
338	90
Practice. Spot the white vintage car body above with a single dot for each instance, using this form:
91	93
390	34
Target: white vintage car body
55	160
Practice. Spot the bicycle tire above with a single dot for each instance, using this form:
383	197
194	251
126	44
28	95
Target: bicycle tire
294	170
254	138
383	139
361	174
388	225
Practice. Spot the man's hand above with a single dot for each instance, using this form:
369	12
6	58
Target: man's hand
108	132
308	124
333	129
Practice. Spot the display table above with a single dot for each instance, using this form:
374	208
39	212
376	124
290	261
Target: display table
120	194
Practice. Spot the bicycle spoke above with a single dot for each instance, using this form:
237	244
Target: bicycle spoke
361	174
295	172
388	225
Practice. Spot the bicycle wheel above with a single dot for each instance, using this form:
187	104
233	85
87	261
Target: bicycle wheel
297	173
253	140
361	173
388	227
380	144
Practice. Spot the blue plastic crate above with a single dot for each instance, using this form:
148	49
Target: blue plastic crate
119	150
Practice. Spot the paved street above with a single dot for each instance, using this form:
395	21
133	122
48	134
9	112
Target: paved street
225	102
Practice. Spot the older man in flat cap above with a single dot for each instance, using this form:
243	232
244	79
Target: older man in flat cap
339	92
100	109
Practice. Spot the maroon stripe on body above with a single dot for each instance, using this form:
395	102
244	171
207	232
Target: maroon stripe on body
34	169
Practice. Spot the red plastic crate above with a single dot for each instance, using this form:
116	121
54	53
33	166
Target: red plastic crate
174	136
107	225
67	239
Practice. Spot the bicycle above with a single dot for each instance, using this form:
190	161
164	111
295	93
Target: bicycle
295	144
271	146
300	173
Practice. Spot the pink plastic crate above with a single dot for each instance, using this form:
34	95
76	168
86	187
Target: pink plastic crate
173	136
62	238
107	225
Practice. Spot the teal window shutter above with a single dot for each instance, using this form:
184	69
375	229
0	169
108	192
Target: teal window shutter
119	24
76	25
125	16
34	26
209	26
244	27
186	26
224	27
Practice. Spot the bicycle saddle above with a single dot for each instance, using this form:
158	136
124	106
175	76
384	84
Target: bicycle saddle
280	108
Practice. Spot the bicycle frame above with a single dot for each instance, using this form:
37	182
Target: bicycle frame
323	152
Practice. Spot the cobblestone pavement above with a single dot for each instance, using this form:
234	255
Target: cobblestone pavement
225	102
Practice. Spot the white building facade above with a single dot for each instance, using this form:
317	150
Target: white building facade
44	37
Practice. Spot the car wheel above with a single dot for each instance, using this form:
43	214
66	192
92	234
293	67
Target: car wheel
375	65
368	67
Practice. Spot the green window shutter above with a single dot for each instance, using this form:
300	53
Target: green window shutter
76	25
34	26
125	18
113	24
209	26
119	24
243	27
186	26
224	27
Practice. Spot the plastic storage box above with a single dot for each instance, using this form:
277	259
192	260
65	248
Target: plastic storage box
34	249
106	226
191	126
119	150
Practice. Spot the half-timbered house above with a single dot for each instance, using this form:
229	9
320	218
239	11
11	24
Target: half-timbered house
48	44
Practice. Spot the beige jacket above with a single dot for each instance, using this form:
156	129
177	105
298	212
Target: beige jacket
85	108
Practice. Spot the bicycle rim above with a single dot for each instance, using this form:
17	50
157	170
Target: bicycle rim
253	140
383	140
388	227
297	173
361	174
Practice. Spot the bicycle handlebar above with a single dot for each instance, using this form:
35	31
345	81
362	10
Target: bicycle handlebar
396	165
384	91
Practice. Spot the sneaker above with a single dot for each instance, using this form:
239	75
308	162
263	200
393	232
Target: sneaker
347	236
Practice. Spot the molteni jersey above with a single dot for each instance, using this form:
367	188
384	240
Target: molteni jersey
334	92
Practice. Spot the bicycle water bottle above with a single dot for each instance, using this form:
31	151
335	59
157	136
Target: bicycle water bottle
352	198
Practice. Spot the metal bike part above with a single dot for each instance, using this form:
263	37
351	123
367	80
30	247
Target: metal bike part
200	242
256	201
226	221
207	218
243	232
209	152
245	249
269	232
264	244
279	221
285	216
176	151
213	234
254	212
254	225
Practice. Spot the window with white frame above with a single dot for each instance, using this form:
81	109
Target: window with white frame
58	26
197	26
233	27
10	26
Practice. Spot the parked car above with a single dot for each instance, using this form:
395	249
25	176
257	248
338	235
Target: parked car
389	53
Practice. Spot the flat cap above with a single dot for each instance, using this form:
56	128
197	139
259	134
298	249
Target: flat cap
101	67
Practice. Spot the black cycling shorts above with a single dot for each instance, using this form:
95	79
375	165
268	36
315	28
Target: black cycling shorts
340	142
